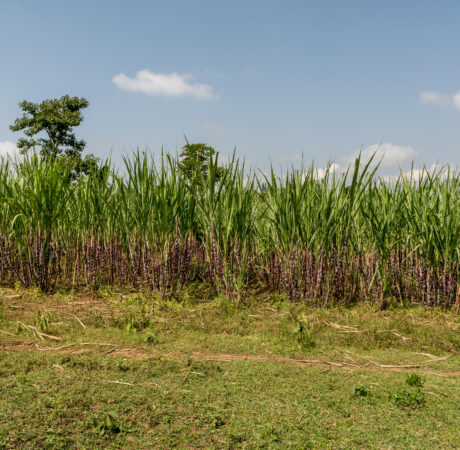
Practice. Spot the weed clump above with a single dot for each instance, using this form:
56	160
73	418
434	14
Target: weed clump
361	390
106	425
408	397
411	395
414	380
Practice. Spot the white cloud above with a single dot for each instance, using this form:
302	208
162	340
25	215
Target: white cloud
165	84
390	154
333	168
419	174
442	100
456	100
434	98
8	148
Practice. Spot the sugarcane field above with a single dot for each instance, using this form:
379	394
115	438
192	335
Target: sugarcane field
210	267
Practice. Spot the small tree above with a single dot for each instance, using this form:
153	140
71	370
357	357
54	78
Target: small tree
194	161
56	118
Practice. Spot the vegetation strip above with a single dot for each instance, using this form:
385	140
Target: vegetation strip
161	227
226	357
206	372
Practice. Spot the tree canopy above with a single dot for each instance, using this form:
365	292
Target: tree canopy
55	118
194	161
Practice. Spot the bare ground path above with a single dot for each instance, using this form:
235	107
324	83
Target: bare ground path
138	353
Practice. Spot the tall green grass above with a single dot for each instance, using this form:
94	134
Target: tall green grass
337	239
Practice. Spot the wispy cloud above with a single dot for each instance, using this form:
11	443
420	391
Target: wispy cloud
434	98
8	148
391	155
441	100
165	84
456	100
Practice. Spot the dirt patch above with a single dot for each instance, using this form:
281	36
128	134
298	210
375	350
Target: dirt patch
225	357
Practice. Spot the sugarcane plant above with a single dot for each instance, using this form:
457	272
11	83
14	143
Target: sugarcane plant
157	225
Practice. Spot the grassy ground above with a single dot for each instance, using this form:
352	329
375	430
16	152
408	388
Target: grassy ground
124	371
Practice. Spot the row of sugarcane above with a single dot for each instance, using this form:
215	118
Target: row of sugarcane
325	240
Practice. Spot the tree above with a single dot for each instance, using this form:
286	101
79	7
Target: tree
195	160
56	118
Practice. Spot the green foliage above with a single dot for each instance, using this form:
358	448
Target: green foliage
408	397
194	161
151	339
414	380
218	422
304	334
244	387
338	239
299	330
42	321
107	425
361	390
136	323
56	119
122	366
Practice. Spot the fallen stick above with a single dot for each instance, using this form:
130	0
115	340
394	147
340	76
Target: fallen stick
339	327
443	358
119	382
428	355
6	332
40	335
80	322
111	350
391	366
433	358
435	395
124	383
185	378
326	362
350	331
404	338
73	345
17	343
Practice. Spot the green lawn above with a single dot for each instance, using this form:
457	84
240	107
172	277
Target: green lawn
208	374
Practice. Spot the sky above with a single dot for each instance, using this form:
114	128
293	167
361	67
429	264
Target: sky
274	80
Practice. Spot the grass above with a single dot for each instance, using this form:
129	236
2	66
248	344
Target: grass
207	374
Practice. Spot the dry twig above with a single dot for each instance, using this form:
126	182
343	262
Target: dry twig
80	322
6	332
40	335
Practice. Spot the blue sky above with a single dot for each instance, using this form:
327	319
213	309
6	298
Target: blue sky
275	79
